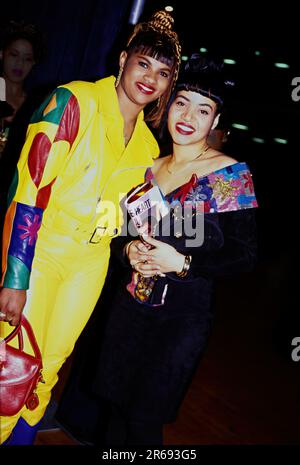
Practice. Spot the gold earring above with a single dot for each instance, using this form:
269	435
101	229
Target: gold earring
158	102
119	77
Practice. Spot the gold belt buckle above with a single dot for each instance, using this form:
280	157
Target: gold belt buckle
91	241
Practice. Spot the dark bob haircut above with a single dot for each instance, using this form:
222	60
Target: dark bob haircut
206	77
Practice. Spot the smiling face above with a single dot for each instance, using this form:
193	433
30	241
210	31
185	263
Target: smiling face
144	79
191	117
18	60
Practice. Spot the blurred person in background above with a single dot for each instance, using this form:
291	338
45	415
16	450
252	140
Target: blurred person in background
21	47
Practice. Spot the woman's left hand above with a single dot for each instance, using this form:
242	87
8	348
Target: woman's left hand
164	255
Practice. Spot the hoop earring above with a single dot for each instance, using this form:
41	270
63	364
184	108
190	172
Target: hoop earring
117	82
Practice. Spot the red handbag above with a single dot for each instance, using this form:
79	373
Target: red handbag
19	372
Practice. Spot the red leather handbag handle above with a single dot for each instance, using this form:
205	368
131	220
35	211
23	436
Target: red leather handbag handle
18	331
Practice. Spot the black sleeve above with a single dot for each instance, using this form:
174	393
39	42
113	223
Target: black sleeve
229	245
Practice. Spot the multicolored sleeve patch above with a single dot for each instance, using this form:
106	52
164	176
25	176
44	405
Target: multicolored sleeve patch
230	188
44	152
24	222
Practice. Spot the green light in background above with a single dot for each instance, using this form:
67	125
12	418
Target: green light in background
229	61
259	140
257	53
240	126
281	65
280	141
169	8
184	58
203	50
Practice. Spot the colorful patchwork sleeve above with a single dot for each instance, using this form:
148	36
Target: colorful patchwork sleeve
229	247
222	237
51	133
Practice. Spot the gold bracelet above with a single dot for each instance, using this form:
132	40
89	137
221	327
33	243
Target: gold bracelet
186	266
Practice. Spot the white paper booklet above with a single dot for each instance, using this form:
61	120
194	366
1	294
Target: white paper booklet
146	207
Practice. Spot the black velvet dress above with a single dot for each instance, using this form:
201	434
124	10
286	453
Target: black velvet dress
151	350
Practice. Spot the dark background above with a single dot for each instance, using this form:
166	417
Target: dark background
82	42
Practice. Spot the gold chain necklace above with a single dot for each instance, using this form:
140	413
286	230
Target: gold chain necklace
198	156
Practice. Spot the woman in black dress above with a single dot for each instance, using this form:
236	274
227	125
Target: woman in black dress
161	316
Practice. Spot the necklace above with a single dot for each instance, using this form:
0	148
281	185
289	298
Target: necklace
198	156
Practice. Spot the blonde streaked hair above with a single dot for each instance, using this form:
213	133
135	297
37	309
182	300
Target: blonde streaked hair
157	39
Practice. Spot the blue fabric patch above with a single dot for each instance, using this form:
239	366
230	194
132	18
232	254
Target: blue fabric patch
27	222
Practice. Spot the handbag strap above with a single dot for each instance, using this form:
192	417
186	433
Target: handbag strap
18	331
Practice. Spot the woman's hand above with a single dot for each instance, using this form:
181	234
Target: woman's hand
137	256
12	302
163	255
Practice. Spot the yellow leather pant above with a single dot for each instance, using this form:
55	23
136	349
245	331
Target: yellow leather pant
66	281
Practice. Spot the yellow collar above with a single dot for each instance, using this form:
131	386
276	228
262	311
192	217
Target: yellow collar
108	105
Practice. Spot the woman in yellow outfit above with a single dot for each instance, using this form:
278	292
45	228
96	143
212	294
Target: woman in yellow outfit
85	147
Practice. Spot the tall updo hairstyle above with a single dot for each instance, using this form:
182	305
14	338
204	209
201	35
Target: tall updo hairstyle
157	39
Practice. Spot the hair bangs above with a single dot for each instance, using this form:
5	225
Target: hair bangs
154	45
201	87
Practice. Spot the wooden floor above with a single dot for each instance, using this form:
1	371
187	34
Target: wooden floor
247	387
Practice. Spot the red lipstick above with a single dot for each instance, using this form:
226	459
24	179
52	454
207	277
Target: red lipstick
184	128
145	89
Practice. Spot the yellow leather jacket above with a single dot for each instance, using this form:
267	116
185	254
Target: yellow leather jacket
73	170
